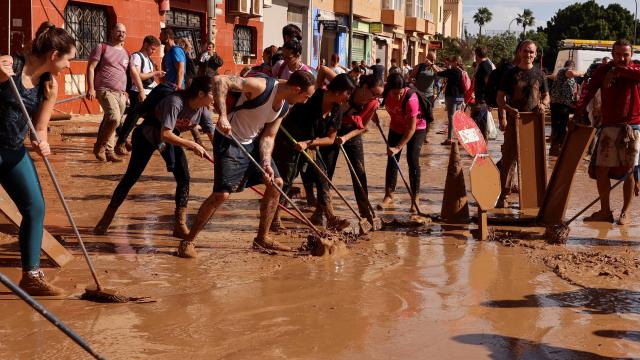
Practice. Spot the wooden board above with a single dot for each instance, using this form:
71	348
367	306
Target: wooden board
532	159
50	246
556	197
484	178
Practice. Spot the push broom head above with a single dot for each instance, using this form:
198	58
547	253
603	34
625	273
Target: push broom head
92	293
556	234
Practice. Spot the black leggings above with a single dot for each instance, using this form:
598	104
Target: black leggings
131	120
559	120
141	153
413	160
355	151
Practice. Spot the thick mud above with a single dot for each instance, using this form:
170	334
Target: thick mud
416	290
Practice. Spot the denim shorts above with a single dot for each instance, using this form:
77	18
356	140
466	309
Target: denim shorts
233	171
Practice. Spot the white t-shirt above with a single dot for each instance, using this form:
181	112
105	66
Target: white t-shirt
338	70
246	124
144	64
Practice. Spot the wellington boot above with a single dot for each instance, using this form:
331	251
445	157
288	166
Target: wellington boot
99	152
187	249
111	156
105	221
180	229
34	284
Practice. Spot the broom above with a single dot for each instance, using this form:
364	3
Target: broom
98	294
559	233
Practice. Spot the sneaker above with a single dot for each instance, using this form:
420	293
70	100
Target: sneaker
34	284
187	249
338	223
623	220
600	216
111	156
121	149
268	244
99	152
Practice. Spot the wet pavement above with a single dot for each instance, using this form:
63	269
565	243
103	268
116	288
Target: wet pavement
427	293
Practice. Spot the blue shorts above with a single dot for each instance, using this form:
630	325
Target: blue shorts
233	171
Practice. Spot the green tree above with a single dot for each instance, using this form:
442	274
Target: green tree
587	20
482	17
525	19
501	47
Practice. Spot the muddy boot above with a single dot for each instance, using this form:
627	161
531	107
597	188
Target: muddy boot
387	202
180	229
269	244
316	218
99	152
121	149
187	249
334	221
105	221
34	284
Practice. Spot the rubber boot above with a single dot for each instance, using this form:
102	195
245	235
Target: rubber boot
105	221
34	284
180	229
187	249
112	157
99	152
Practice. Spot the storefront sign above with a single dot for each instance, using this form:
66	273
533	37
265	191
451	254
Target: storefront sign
375	28
330	25
435	45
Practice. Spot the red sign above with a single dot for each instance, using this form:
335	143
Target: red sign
469	134
436	45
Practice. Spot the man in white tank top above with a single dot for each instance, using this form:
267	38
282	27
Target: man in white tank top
255	126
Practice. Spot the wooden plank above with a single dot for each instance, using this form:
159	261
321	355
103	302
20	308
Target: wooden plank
556	197
532	159
50	246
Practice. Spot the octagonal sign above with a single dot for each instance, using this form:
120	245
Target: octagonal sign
485	182
468	134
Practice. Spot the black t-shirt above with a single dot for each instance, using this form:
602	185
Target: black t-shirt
305	121
524	87
378	70
480	79
454	83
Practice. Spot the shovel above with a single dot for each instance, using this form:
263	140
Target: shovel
406	184
375	221
363	224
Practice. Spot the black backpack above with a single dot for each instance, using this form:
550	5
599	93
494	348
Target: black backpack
425	105
493	84
233	97
145	83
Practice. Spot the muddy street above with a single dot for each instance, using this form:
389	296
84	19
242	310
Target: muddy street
431	292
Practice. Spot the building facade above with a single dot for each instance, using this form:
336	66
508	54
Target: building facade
278	13
238	32
452	24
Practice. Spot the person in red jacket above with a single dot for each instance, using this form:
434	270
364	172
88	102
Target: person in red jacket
619	135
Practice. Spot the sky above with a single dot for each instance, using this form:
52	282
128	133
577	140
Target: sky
505	10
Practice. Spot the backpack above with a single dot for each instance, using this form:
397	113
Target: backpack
190	68
233	97
493	84
145	83
423	102
466	81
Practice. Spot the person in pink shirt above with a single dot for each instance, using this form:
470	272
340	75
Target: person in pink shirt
408	128
107	79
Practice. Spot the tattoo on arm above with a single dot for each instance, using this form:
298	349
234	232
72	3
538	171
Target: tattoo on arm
266	147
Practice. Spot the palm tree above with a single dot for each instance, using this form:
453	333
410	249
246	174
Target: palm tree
525	19
482	17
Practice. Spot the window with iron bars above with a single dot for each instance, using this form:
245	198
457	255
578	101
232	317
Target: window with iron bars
243	44
88	25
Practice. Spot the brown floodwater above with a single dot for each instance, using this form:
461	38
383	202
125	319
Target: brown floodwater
414	293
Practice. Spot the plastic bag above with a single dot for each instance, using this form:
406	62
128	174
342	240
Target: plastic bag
492	130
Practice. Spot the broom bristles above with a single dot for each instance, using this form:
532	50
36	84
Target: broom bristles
556	234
